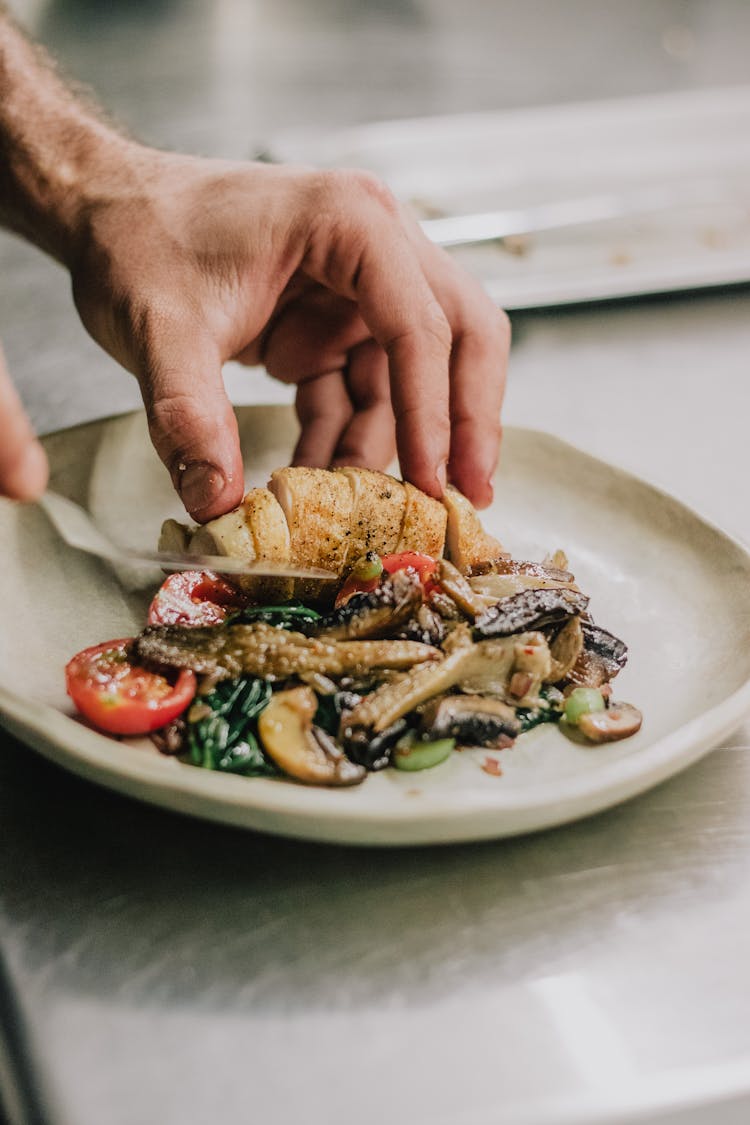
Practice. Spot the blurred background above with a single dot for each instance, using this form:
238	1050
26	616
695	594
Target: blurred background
225	78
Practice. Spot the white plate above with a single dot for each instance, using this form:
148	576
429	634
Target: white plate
519	158
674	588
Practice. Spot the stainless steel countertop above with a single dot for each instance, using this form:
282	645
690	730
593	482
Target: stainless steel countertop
162	969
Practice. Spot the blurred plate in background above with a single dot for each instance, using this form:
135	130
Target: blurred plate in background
696	144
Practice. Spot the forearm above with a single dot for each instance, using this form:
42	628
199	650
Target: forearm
56	155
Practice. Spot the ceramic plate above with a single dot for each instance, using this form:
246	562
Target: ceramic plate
674	588
695	145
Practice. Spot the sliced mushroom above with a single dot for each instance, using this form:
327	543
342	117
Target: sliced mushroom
381	612
426	626
301	750
225	651
530	609
547	571
493	587
486	668
453	583
510	667
373	751
603	655
619	720
557	560
473	720
565	649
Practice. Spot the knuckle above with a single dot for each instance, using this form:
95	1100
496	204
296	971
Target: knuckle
343	187
504	326
174	414
436	324
370	186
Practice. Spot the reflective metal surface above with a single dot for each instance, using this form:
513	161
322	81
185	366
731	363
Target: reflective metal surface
161	969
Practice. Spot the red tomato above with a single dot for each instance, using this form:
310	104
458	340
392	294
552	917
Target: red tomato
121	698
194	597
424	565
353	585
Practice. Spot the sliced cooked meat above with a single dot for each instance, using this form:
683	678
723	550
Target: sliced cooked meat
174	536
378	502
423	527
229	651
318	508
226	535
268	526
467	543
530	609
379	613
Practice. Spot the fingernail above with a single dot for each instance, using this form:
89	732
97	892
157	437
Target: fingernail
442	475
200	485
29	476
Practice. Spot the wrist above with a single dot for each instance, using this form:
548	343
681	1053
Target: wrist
56	154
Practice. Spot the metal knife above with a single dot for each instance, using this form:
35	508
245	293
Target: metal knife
486	226
77	528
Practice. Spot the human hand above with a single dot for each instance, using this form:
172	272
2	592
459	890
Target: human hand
23	464
184	263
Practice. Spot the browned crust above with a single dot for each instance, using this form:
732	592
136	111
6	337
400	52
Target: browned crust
378	506
424	523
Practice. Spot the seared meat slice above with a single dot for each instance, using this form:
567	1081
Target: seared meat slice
318	509
379	613
317	505
378	503
423	527
530	609
467	542
229	651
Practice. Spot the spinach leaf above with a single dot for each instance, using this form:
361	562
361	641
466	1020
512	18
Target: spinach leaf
550	710
222	732
295	616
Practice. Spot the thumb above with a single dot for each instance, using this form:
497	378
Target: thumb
193	427
23	465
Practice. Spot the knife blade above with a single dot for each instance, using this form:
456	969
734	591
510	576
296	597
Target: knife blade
487	226
74	524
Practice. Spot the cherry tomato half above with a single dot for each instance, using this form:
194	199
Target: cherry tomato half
424	565
194	597
120	697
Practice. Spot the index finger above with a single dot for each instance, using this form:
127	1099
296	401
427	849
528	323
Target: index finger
361	250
